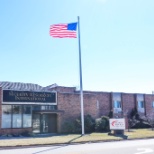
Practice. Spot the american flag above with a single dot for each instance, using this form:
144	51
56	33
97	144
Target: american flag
63	30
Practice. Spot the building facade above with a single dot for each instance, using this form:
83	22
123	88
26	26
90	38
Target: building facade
30	107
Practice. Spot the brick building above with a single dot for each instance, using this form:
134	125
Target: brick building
30	107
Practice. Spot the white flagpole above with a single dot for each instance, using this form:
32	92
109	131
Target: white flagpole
81	89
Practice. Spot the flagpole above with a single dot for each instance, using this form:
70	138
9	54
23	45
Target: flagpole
81	88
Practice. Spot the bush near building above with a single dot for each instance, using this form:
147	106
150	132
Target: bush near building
74	126
90	125
136	121
102	124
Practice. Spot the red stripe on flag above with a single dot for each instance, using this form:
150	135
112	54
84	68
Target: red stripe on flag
61	31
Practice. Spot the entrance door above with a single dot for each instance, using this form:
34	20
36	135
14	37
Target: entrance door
44	123
36	123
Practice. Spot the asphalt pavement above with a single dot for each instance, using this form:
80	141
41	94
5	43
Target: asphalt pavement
117	147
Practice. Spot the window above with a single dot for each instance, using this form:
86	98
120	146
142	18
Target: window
20	116
117	104
6	116
117	107
16	113
44	107
27	116
152	104
140	104
16	116
140	101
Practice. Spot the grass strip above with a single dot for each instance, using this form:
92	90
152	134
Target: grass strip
73	138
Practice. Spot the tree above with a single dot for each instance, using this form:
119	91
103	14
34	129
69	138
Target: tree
150	119
136	121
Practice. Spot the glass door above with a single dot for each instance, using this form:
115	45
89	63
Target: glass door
44	123
48	123
36	123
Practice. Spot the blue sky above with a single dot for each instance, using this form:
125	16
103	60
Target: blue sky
116	44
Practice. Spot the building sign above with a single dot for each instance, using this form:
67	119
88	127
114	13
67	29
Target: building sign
28	96
117	124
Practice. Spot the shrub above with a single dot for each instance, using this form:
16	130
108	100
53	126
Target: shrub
141	124
69	127
77	125
136	121
89	124
102	124
150	120
27	134
74	126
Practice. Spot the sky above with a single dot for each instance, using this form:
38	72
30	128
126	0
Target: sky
117	47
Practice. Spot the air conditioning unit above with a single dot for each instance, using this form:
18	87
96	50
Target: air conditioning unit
117	110
141	110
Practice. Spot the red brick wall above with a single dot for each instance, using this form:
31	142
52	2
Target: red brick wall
105	107
95	104
14	131
128	103
148	104
70	103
